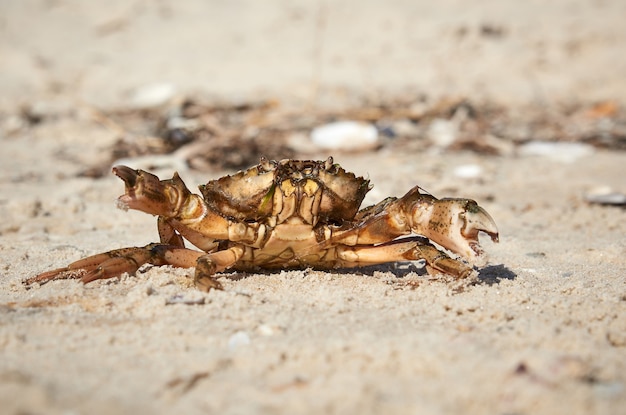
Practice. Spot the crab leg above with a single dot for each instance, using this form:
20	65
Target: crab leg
208	265
80	268
167	233
408	249
115	263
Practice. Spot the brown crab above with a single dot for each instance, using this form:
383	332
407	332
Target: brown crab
287	214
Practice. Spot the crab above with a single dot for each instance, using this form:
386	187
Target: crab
288	214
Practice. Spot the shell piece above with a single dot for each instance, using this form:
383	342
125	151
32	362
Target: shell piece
246	195
346	136
311	190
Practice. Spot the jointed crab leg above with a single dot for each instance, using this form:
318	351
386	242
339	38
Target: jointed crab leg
209	264
407	249
115	263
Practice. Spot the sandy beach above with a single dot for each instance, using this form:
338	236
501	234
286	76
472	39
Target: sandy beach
542	329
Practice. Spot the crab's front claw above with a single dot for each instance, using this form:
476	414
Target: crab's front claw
146	192
455	224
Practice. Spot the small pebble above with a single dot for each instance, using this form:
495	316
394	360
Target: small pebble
442	132
609	390
345	135
150	290
177	122
265	330
180	299
557	151
12	124
152	95
238	340
468	171
404	128
606	196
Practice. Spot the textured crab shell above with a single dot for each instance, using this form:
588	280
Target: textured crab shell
280	189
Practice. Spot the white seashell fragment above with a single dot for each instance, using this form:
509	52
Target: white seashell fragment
557	151
152	95
345	135
606	196
238	340
265	330
468	171
442	133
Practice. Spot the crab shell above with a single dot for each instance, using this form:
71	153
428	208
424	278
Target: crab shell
276	191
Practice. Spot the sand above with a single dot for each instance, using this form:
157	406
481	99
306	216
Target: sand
543	330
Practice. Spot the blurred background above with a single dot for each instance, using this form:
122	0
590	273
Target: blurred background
202	79
510	52
218	84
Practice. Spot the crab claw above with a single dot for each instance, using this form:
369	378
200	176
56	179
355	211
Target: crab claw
454	224
147	193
